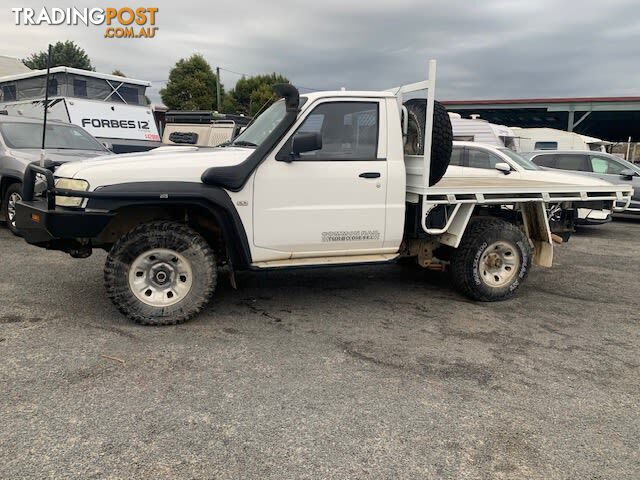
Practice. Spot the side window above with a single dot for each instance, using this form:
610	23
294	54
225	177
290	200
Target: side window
579	163
9	93
482	159
53	87
129	94
546	146
545	160
606	166
79	88
349	131
457	156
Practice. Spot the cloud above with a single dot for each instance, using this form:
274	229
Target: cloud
489	49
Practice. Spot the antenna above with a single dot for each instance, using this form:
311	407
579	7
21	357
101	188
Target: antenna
46	107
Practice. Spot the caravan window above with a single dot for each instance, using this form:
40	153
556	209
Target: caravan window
546	146
79	88
129	94
53	87
9	93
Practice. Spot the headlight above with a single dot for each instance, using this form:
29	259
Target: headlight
70	184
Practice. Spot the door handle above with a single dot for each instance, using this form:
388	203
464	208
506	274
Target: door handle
370	175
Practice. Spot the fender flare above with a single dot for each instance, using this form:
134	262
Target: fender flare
165	194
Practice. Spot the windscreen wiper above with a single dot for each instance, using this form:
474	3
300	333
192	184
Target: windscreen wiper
244	143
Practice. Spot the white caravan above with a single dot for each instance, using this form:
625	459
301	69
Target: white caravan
531	139
111	108
478	130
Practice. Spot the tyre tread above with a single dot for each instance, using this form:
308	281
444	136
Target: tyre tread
474	233
145	230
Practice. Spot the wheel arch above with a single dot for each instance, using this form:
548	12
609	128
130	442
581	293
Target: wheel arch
209	210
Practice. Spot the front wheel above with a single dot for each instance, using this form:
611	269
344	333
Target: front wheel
492	260
160	273
11	198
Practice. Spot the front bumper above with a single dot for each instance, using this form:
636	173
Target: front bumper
42	223
46	227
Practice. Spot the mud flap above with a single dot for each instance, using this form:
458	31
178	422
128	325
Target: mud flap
536	226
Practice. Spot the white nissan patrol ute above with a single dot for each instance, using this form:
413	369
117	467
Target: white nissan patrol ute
328	178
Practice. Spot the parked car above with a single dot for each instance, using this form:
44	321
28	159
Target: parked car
596	165
20	142
471	159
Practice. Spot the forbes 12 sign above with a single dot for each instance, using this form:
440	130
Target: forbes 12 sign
113	121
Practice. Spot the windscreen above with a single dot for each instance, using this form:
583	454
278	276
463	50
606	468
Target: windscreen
262	126
29	135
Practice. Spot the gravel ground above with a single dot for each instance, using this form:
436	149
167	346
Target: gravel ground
378	372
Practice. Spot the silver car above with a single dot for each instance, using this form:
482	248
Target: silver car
20	142
594	164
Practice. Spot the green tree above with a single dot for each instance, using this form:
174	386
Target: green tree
252	93
191	85
66	54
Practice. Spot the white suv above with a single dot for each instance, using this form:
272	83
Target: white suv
470	159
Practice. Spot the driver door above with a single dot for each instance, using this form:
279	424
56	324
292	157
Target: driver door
330	201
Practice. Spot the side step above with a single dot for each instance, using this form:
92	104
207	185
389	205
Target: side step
326	261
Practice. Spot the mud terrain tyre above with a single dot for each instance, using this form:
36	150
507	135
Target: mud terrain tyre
441	138
160	273
492	260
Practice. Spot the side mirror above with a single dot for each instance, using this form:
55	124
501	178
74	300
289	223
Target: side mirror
503	167
108	146
305	142
628	174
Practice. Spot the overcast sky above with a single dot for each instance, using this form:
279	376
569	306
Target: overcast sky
485	49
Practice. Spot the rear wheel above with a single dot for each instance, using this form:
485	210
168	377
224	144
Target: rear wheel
11	198
160	273
492	260
441	137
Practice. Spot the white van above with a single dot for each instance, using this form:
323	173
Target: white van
481	131
111	108
531	139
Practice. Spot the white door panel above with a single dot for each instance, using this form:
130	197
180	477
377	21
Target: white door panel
319	203
310	206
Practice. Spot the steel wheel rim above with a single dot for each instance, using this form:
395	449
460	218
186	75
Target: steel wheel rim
499	264
14	198
160	277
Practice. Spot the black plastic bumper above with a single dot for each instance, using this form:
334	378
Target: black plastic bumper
47	227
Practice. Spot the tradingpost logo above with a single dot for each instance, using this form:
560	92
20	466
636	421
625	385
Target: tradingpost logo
122	22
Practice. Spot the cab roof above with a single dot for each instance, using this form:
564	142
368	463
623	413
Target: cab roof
312	96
